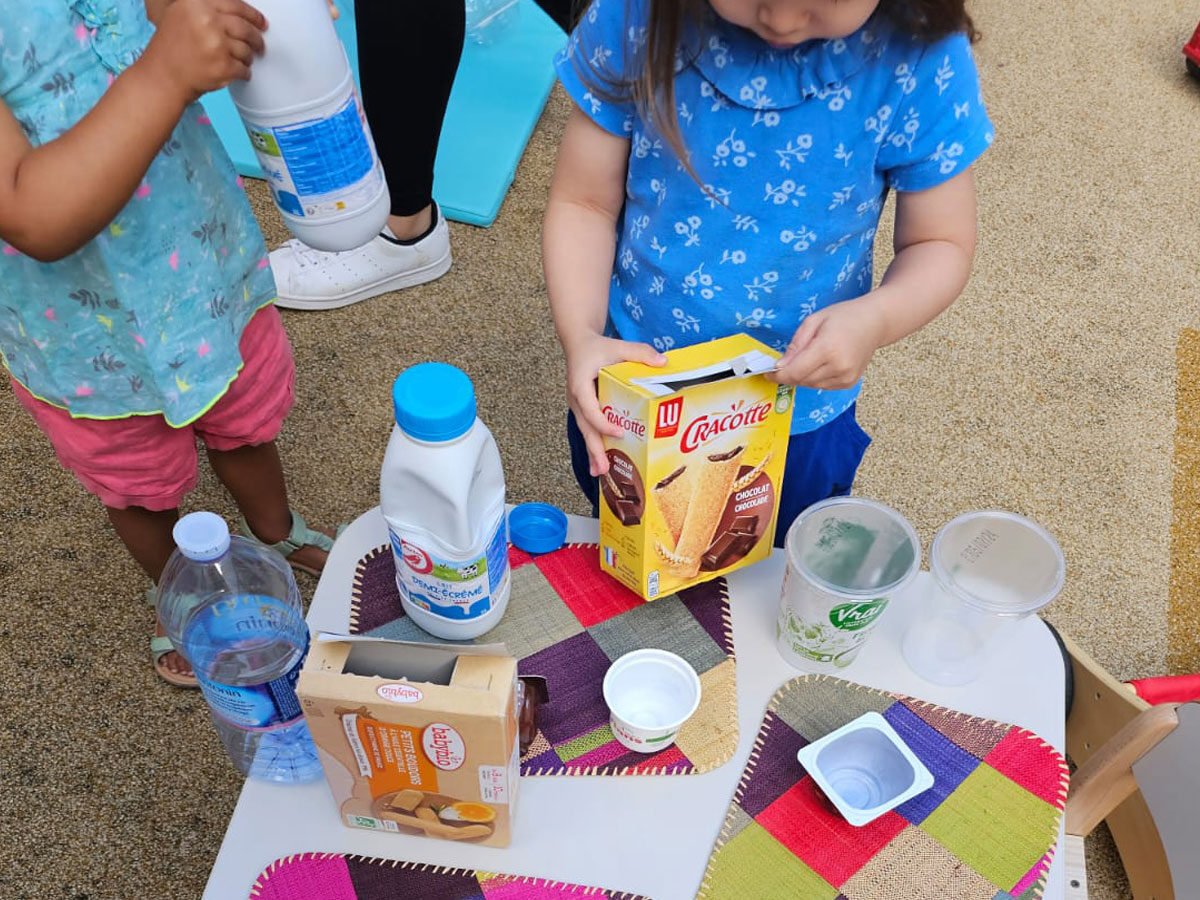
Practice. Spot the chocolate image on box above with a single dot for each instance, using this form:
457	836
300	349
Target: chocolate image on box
744	521
532	692
622	490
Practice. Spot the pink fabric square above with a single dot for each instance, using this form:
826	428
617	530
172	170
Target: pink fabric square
507	887
805	822
309	876
600	756
1033	876
1029	761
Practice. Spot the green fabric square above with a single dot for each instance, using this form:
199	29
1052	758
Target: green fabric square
667	624
995	826
536	617
585	743
754	864
816	705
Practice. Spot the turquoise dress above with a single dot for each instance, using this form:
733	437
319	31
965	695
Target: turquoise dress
146	318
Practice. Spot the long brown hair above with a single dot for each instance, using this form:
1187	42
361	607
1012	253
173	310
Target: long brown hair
652	87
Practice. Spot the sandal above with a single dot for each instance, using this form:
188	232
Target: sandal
160	646
300	536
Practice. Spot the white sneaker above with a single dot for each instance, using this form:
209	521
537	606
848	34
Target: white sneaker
314	279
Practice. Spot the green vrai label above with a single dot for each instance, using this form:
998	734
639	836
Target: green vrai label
856	616
363	821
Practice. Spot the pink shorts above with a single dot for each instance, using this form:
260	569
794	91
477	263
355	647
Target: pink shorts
143	461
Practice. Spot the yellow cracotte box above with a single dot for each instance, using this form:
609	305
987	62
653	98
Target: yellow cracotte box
693	486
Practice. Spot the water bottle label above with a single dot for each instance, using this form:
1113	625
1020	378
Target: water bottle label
458	589
319	168
272	704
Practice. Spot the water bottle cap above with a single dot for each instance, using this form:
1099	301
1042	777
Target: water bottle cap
201	536
434	402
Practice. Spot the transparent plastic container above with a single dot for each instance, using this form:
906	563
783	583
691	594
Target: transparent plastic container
847	557
232	610
992	569
488	20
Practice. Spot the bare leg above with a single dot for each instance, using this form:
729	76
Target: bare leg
254	477
146	534
406	228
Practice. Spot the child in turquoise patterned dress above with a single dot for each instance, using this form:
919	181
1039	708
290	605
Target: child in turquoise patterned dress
136	299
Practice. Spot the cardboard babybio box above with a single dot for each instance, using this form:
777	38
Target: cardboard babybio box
692	490
415	738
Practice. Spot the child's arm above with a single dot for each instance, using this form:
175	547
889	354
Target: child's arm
578	245
934	244
57	197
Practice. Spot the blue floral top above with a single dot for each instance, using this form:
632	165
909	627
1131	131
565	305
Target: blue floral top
796	150
146	317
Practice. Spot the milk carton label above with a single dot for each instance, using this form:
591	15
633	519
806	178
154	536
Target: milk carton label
320	167
459	588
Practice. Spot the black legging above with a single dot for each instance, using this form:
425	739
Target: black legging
408	53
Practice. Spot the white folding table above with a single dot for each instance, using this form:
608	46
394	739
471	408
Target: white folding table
649	835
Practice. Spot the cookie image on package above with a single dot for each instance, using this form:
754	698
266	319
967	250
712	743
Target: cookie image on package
673	495
712	482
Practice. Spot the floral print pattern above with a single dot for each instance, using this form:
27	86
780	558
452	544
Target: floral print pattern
794	150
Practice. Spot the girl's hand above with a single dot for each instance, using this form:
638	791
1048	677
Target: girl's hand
333	10
202	45
585	358
832	347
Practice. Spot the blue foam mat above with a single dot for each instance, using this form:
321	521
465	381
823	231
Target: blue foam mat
498	94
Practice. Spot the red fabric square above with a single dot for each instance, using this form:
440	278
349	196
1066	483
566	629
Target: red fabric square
805	822
574	573
1026	759
518	557
672	756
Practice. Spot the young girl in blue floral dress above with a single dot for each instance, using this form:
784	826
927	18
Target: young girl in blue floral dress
135	295
724	170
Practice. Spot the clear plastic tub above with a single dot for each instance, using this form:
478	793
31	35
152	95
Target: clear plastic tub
846	558
991	569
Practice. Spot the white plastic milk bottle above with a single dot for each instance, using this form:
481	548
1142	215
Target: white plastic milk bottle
307	126
442	493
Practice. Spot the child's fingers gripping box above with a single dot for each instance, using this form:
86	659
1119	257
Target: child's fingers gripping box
692	491
416	738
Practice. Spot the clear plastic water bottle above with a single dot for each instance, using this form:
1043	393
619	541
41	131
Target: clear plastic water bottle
232	609
488	20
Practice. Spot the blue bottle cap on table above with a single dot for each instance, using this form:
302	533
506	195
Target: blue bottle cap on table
434	402
201	536
537	527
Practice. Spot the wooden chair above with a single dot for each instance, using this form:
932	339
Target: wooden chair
1139	770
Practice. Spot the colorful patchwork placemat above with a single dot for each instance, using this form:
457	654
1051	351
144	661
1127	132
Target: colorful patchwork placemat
567	621
986	830
334	876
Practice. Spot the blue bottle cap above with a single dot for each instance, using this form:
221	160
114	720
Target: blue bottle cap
537	527
201	536
434	402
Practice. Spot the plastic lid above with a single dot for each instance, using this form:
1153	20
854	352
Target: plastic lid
201	536
434	402
537	527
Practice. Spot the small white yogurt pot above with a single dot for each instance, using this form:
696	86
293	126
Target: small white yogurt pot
650	694
865	768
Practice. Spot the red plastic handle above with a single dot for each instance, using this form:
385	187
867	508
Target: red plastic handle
1168	688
